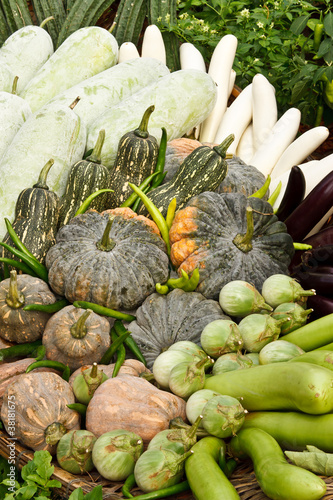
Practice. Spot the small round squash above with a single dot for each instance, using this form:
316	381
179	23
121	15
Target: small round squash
35	411
76	336
17	325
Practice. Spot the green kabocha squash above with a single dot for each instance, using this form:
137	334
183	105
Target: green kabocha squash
113	259
228	237
202	170
36	217
240	177
163	320
17	325
136	159
76	336
85	177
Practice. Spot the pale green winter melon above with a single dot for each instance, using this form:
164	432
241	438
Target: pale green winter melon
85	53
182	100
14	111
6	78
106	89
55	132
25	52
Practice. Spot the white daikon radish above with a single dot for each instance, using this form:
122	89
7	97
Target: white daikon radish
299	149
232	81
265	111
236	119
245	148
153	44
219	69
127	50
25	52
282	134
190	57
320	224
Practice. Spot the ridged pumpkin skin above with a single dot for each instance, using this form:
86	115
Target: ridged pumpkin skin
163	320
40	400
203	235
64	344
134	404
17	325
120	278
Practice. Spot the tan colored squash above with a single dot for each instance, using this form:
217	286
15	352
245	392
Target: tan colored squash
129	367
35	411
134	404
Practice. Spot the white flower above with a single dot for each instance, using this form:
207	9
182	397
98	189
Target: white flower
205	28
245	13
167	18
255	60
271	25
260	24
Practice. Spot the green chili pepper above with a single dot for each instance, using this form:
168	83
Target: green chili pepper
160	159
40	353
328	93
19	350
128	485
103	311
48	308
165	492
120	353
273	197
156	215
129	341
178	282
19	265
230	467
107	356
85	205
171	212
17	242
138	200
47	363
317	35
260	193
144	184
36	266
79	407
302	246
193	282
162	289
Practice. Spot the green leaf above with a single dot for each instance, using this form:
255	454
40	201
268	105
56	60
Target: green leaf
325	48
35	478
329	73
299	24
328	24
299	90
95	494
77	494
42	459
53	483
26	492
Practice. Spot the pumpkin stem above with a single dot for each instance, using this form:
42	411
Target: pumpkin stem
222	148
14	298
106	243
14	87
95	155
244	241
54	432
41	183
142	130
79	329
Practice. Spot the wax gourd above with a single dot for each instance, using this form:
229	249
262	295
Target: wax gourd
182	100
85	53
14	111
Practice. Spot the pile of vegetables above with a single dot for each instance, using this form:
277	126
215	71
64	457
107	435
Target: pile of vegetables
158	292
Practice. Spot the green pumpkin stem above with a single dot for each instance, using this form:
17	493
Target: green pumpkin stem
14	298
222	148
95	155
94	370
106	243
14	87
41	183
244	241
54	432
79	329
142	130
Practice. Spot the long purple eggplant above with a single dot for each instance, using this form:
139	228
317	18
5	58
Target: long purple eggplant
293	195
321	305
322	283
313	258
321	238
311	210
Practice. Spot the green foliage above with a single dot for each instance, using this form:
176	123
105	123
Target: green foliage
95	494
278	38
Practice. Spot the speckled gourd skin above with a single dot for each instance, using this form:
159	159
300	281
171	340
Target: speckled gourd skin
202	237
40	400
121	278
17	325
163	320
61	346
